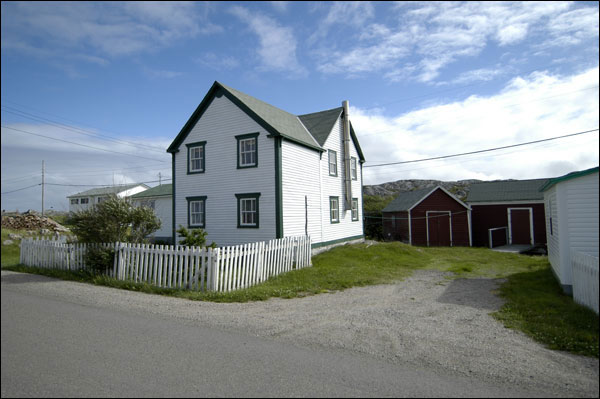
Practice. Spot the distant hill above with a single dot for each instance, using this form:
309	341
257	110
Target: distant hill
459	188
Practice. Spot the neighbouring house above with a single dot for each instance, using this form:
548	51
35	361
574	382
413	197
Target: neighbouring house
246	171
507	212
429	217
159	198
86	199
572	221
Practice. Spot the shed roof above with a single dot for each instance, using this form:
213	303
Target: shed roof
506	190
407	200
108	190
568	176
158	191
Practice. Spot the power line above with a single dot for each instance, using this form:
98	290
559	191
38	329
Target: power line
82	145
480	151
103	185
20	189
77	130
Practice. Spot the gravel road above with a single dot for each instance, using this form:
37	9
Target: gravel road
427	321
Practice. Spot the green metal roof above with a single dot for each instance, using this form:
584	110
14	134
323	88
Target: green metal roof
321	123
158	191
406	200
310	130
107	190
508	190
286	124
568	176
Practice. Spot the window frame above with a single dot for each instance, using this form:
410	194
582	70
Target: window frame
87	201
353	168
331	209
191	200
74	201
193	146
352	209
241	138
329	152
247	196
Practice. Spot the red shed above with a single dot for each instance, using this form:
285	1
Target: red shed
428	217
508	212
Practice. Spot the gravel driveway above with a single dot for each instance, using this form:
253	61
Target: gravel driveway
427	321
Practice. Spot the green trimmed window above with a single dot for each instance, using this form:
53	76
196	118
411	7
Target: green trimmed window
196	157
353	171
354	209
196	211
334	209
248	210
247	150
332	163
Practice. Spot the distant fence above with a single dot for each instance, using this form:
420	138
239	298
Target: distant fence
175	266
585	279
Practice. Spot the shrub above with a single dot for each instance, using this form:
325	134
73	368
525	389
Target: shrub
193	237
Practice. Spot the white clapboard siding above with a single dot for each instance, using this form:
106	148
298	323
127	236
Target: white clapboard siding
585	279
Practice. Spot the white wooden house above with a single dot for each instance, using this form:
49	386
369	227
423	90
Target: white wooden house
88	198
571	203
160	199
246	171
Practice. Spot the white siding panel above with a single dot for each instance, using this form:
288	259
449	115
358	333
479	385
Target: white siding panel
334	186
218	126
300	185
582	206
552	231
163	210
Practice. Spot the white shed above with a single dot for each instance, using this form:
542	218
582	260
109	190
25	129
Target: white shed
159	198
571	203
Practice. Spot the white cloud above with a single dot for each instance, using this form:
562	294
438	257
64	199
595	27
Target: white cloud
529	108
434	36
277	49
217	62
57	30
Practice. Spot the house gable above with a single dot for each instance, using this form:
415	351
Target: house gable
275	121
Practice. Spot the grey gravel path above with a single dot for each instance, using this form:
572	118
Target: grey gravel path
426	320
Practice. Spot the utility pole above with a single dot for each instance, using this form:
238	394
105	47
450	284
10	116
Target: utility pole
43	173
159	178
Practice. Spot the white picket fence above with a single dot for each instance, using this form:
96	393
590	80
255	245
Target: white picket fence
220	269
585	279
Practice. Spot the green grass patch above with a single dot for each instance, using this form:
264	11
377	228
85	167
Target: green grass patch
537	306
10	253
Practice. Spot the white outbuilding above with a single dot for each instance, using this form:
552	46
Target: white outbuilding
571	203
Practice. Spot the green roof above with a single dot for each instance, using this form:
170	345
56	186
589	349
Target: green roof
506	190
406	200
321	123
310	130
568	176
107	190
158	191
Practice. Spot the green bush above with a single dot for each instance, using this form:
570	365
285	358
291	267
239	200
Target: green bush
99	260
193	237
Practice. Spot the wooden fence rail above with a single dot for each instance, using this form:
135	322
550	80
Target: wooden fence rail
174	266
585	279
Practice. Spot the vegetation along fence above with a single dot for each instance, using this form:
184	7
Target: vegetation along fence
585	279
175	266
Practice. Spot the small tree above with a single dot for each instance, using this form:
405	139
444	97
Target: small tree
113	220
193	237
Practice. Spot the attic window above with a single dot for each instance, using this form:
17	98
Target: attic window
196	157
247	150
353	168
332	163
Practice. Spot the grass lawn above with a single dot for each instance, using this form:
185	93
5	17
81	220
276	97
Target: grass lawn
535	304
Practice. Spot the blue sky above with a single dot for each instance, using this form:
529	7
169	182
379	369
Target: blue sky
423	80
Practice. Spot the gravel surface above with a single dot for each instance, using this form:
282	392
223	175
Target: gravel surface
427	321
